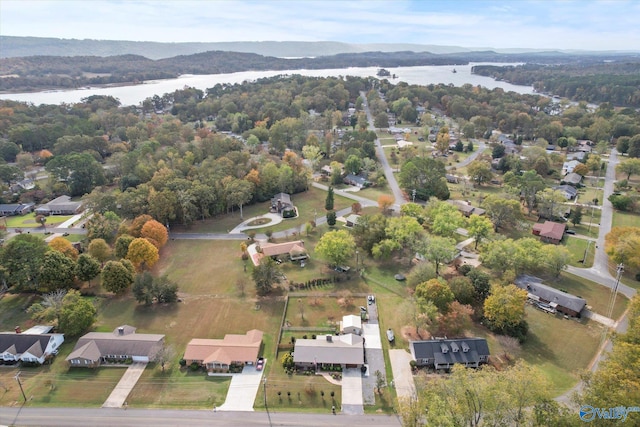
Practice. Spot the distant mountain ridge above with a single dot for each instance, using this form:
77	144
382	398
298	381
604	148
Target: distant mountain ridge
12	47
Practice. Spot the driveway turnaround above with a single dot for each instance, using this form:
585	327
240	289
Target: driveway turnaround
402	377
242	390
118	396
352	392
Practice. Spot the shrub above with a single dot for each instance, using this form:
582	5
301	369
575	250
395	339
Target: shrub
194	366
182	362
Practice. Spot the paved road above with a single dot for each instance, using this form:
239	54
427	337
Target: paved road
388	171
105	417
479	148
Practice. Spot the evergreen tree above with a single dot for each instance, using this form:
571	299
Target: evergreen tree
328	204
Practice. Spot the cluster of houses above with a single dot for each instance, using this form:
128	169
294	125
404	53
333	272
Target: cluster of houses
62	205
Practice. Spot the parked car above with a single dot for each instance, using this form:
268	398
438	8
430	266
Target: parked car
570	231
390	336
342	269
260	364
371	299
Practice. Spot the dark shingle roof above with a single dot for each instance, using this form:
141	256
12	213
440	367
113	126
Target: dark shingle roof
534	286
435	349
19	343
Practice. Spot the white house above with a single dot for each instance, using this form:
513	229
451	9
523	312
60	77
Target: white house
568	167
16	346
351	324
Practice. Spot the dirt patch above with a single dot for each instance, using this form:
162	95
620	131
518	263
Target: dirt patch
409	334
259	221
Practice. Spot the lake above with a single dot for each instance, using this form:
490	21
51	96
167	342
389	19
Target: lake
134	95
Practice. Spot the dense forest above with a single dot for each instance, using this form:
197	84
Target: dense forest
616	82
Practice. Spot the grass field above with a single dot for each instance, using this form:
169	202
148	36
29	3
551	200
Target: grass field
577	247
178	388
58	385
551	346
13	311
29	220
625	219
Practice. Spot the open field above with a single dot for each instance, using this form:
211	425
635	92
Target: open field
551	346
29	221
625	219
13	311
319	311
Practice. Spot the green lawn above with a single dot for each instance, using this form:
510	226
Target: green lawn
625	219
319	311
561	348
587	194
178	388
13	311
577	247
29	220
57	385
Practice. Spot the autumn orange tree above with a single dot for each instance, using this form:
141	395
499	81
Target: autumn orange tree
142	253
155	232
136	225
385	202
64	246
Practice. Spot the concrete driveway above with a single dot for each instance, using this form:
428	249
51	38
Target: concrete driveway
352	392
402	377
119	395
242	390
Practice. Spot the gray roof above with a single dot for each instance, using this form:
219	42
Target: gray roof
95	344
344	349
62	203
17	344
360	180
442	351
568	189
534	286
572	178
284	198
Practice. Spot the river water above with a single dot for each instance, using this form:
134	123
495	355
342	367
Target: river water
134	95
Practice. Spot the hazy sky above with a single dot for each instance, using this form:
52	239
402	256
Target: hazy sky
580	24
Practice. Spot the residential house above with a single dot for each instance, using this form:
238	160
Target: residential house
352	220
233	349
562	302
576	156
569	192
351	324
572	179
16	209
569	166
60	206
403	143
293	250
123	343
281	203
23	185
327	351
584	145
466	209
549	231
445	353
356	180
30	347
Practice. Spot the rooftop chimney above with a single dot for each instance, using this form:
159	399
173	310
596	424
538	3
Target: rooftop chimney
18	330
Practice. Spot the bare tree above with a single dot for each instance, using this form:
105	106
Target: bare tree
165	355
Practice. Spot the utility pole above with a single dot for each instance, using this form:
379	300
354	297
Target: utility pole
266	407
17	377
614	291
586	251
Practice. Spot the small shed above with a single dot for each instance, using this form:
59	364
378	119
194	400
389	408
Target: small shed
351	324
